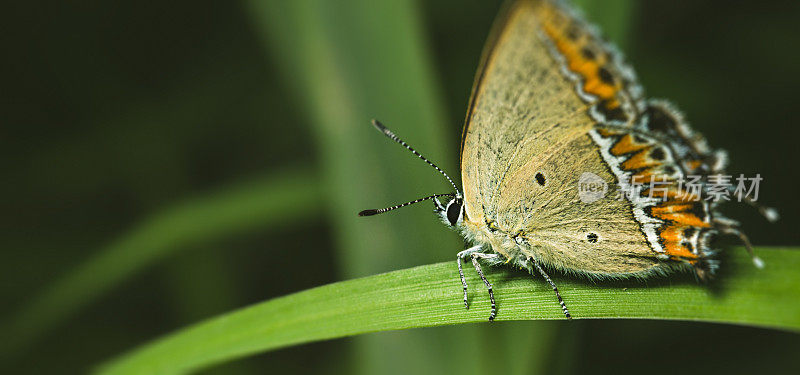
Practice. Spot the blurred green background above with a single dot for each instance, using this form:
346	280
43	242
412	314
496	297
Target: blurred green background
165	162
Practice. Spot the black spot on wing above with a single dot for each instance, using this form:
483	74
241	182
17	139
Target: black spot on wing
605	76
588	54
660	121
611	114
573	31
539	178
699	209
658	154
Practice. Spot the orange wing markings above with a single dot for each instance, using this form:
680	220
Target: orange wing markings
638	152
673	194
581	56
682	213
675	244
606	133
639	161
680	217
693	165
627	144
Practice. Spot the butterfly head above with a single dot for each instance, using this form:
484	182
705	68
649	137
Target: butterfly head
451	211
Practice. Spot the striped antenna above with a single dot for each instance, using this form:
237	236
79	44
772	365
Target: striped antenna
382	210
383	129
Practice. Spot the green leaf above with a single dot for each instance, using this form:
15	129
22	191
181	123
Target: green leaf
348	61
430	295
278	200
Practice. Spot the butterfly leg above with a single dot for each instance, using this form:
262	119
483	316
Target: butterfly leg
539	268
463	255
495	258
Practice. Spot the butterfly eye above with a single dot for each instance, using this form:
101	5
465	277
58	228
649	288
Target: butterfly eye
591	237
453	212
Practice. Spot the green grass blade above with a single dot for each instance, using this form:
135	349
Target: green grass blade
277	200
348	61
431	296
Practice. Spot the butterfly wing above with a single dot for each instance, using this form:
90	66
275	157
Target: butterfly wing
520	104
551	103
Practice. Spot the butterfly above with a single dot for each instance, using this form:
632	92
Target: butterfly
555	117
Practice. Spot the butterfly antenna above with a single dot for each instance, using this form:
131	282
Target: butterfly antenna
769	213
383	129
382	210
